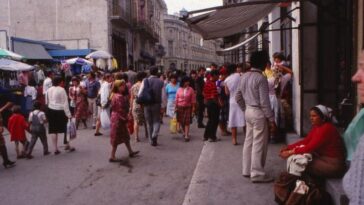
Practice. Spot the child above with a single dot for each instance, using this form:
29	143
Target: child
17	126
37	119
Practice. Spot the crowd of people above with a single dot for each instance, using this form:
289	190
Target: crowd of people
254	96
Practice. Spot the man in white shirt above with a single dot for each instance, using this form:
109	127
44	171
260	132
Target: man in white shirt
104	93
47	82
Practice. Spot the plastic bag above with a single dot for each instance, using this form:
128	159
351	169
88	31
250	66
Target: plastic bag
105	119
173	125
71	129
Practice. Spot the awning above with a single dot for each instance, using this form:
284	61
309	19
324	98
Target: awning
226	21
31	51
70	53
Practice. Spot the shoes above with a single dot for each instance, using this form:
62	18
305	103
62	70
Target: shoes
21	156
246	176
29	156
154	142
98	134
262	179
9	164
133	154
201	126
57	152
113	160
72	149
236	143
187	139
214	140
46	153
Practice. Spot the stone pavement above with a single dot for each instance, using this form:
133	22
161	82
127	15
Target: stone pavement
217	178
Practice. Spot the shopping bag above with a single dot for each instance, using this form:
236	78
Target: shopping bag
173	125
71	129
131	124
105	119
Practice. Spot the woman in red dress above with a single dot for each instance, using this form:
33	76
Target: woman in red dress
119	118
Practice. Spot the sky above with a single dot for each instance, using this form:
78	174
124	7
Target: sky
191	5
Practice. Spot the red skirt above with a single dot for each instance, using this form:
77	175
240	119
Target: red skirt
184	115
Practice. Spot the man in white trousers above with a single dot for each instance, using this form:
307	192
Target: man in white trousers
253	99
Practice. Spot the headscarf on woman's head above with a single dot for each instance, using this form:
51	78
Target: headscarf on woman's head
117	84
325	113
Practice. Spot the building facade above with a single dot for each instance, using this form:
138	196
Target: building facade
185	49
148	26
322	40
122	27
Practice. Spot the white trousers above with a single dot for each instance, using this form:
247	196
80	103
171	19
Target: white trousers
93	110
256	143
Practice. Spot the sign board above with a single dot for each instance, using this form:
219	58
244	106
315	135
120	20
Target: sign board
3	39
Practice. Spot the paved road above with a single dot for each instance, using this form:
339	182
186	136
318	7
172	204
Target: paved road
161	175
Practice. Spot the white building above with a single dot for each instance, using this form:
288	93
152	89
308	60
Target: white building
185	49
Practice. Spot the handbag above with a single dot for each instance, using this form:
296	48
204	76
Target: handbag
146	96
130	124
173	125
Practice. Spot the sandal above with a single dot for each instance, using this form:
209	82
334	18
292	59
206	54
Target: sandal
57	152
113	160
133	154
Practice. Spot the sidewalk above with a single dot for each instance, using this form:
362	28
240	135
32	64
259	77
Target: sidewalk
217	178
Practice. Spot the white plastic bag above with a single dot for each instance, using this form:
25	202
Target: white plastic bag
71	129
105	119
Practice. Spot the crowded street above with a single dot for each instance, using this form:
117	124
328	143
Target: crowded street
170	102
160	175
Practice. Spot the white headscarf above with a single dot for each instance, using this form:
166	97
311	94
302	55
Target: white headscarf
327	112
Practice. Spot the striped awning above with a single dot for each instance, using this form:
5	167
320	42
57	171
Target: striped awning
227	21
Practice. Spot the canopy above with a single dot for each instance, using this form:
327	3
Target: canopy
226	21
10	65
31	51
8	54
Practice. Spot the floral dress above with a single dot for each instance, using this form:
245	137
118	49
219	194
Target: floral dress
119	117
82	111
138	111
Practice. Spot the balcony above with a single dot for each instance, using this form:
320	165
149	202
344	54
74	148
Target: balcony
146	30
121	14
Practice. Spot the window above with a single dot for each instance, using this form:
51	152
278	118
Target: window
170	48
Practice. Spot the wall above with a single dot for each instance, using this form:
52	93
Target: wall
57	20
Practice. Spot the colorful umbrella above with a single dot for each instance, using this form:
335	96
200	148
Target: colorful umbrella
10	65
78	61
99	54
9	54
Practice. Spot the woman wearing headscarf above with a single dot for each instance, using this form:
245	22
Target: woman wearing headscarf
185	106
324	143
119	118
